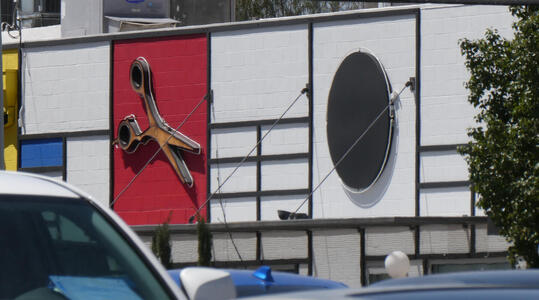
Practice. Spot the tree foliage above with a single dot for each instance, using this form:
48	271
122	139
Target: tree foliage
161	244
258	9
204	242
503	156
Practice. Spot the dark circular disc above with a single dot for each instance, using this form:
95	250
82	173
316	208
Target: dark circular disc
360	92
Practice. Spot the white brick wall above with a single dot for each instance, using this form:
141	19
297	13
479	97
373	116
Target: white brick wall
444	239
184	248
392	40
445	112
88	165
282	175
66	88
287	138
489	243
256	73
384	240
224	249
447	202
284	244
242	180
336	256
236	210
443	166
270	206
233	142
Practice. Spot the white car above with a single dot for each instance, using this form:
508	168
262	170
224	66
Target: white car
57	243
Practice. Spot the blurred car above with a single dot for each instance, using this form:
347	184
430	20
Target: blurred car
57	243
492	285
265	281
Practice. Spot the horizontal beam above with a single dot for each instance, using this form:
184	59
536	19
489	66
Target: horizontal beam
444	184
252	123
42	169
247	263
275	157
261	194
70	134
377	258
310	224
440	148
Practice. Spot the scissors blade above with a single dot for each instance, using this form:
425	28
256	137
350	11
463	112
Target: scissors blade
178	164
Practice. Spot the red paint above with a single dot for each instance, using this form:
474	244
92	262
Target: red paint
179	73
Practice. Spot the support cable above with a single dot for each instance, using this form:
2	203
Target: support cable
394	97
221	198
158	150
303	91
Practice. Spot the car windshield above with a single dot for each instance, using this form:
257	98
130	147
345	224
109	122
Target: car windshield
58	248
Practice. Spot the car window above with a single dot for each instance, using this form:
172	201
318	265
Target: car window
58	248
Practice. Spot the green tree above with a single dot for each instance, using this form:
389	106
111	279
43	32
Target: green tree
204	242
258	9
503	155
161	246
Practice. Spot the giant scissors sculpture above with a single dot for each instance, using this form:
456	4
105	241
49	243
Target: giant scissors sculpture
169	139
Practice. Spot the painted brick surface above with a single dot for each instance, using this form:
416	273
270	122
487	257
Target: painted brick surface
447	202
233	142
336	256
179	72
384	240
284	244
489	243
444	239
443	166
235	210
224	249
289	174
287	138
88	166
256	73
270	206
242	179
55	174
184	248
392	40
445	112
66	88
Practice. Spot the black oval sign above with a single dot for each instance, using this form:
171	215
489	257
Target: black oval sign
360	93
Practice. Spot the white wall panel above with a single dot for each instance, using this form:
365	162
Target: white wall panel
241	180
88	165
445	112
225	250
384	240
233	142
270	205
444	239
256	73
235	209
392	40
284	175
443	166
66	88
489	243
284	244
446	202
287	138
336	256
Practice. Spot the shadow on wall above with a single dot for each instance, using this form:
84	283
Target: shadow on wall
375	193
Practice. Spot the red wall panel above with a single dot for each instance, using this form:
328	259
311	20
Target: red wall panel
179	76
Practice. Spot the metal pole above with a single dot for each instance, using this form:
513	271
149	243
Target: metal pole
2	163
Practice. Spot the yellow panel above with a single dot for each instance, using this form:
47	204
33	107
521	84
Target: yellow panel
10	78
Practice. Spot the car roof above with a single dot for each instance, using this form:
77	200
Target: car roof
516	278
256	277
486	285
20	183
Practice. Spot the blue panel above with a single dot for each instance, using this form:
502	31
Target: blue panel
41	153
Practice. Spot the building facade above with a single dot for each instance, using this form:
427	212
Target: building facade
249	109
